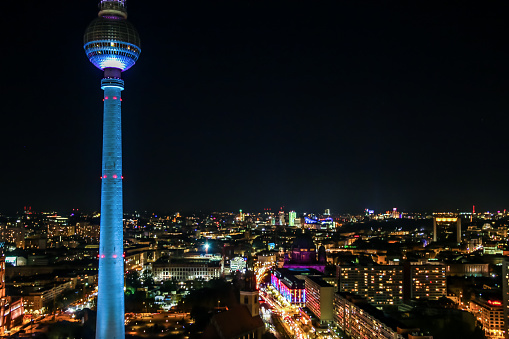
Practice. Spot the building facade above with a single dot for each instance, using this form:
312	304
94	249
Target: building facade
188	270
505	295
11	309
379	284
447	228
393	284
289	285
354	316
319	298
425	281
490	314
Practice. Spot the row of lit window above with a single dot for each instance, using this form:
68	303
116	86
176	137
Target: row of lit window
113	44
107	52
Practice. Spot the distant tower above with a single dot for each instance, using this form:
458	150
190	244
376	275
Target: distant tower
447	224
112	44
282	218
249	293
291	218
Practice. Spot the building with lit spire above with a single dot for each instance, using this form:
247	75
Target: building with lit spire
112	44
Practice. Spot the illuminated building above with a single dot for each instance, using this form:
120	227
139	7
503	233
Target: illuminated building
88	232
468	269
319	297
505	294
36	299
447	228
238	264
291	218
492	248
303	250
266	258
290	283
312	221
360	320
393	284
11	311
112	44
282	218
353	315
490	314
303	254
379	284
424	281
183	270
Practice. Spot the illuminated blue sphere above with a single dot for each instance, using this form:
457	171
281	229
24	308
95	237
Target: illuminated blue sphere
111	41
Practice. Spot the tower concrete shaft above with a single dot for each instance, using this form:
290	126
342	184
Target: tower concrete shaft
110	298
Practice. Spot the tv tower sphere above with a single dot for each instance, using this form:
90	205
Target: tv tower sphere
111	41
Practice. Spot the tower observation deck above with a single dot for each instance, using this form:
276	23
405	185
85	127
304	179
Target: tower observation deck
112	44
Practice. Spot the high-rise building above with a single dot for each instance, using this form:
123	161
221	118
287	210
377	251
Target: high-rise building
112	44
282	218
319	297
393	284
11	311
489	312
447	228
292	215
358	319
505	295
424	281
379	284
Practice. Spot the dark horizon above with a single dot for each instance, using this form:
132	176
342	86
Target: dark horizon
248	105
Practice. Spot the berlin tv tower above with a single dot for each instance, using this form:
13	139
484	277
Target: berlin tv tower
112	44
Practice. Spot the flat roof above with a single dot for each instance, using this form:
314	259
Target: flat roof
318	280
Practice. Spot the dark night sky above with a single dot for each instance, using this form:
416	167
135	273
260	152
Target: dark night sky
253	104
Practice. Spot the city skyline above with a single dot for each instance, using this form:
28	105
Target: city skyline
340	106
